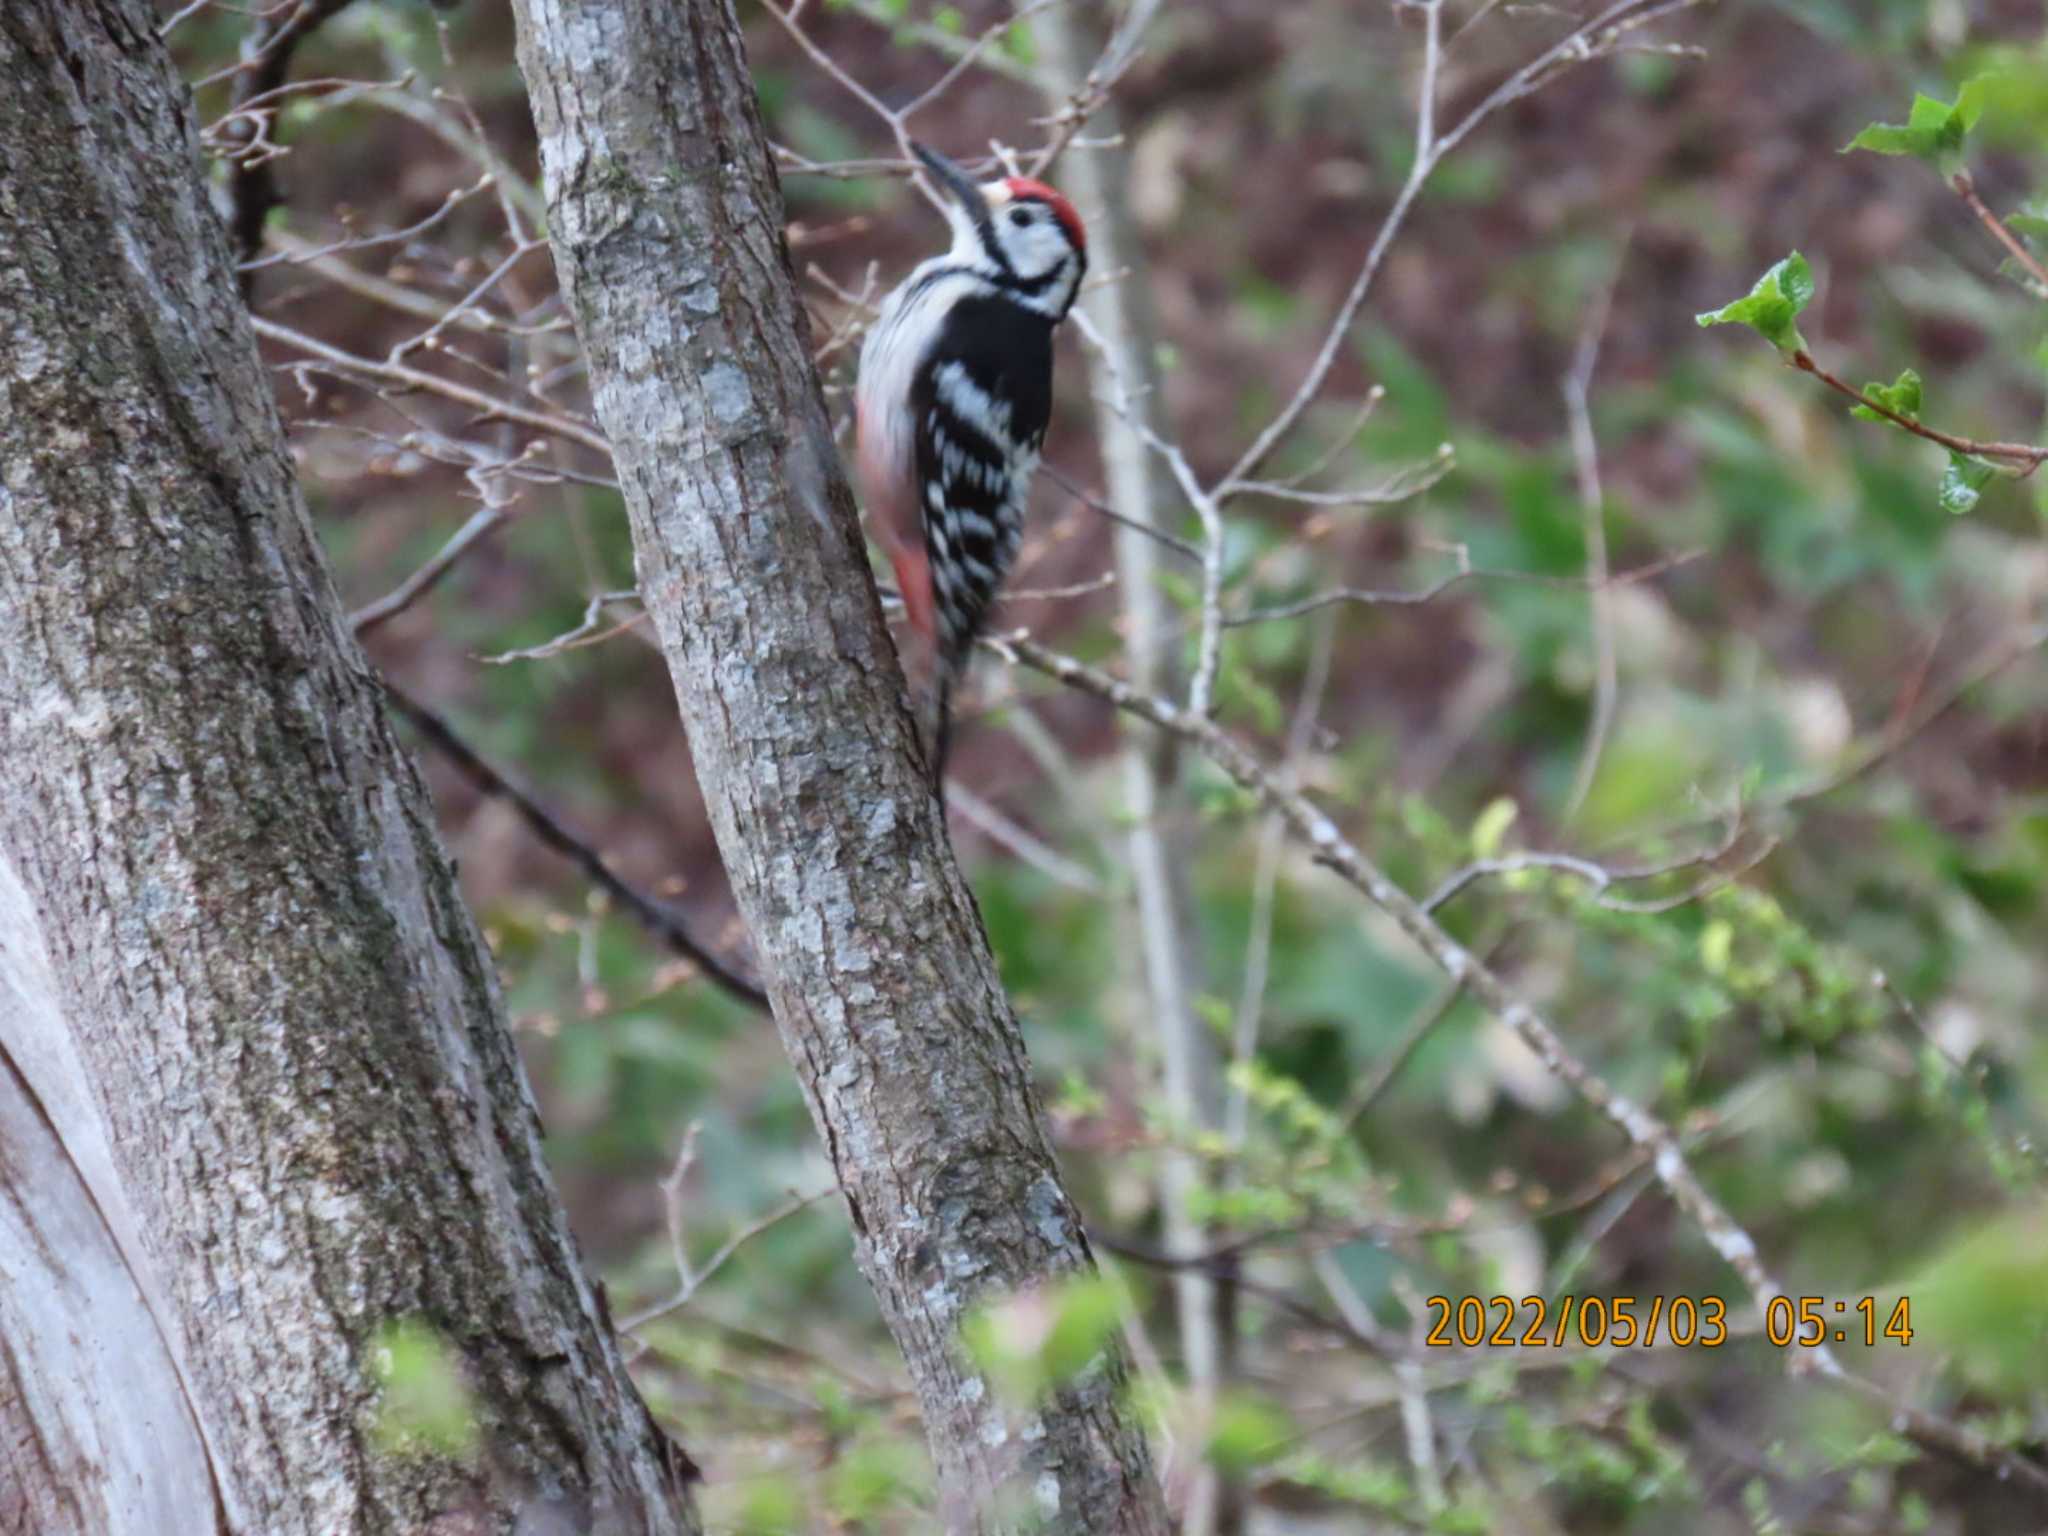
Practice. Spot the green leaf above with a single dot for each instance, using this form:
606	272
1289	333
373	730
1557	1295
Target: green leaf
2030	219
1492	826
1772	306
1934	131
1246	1432
1984	1301
1717	946
1039	1339
771	1508
1019	44
1901	396
1963	482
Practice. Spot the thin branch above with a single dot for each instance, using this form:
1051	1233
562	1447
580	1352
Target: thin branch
1646	1132
1418	1431
1937	1433
1988	663
252	189
1419	1029
1123	401
658	919
466	305
1365	596
973	53
867	98
471	145
949	43
1966	189
1000	829
1338	443
1251	1001
1072	589
2025	456
1225	1267
428	576
587	632
1101	508
1466	571
1334	851
183	14
1396	488
1333	339
1432	65
326	261
690	1277
1578	387
490	407
1590	40
1600	877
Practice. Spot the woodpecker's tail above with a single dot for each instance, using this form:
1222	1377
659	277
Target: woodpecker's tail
942	730
953	660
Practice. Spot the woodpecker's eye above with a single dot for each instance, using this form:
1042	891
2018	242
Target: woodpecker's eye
1021	217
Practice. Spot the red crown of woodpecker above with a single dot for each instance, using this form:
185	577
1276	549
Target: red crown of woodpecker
1023	188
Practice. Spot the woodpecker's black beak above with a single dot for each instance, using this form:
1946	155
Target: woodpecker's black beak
957	183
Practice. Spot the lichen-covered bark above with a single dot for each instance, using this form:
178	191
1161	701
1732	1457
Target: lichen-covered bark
257	1097
666	221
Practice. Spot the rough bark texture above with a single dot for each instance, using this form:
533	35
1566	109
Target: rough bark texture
257	1097
666	220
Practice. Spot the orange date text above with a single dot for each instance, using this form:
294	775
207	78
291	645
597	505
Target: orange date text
1596	1322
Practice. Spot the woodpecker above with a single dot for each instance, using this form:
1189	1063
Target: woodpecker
955	392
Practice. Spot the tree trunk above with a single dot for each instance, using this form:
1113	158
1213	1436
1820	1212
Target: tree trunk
666	219
257	1097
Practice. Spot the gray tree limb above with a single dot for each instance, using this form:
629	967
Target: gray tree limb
1156	840
257	1095
666	220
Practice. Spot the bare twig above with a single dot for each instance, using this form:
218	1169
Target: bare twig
266	59
428	576
1966	189
490	407
1466	571
466	305
1592	39
1600	877
1651	1136
1987	664
180	16
658	919
326	261
1335	852
1578	385
1396	488
951	44
1000	829
691	1277
586	632
1163	957
1418	1431
1251	1001
1419	1029
1934	1432
1102	508
467	140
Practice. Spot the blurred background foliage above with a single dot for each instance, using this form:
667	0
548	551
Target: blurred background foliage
1848	1029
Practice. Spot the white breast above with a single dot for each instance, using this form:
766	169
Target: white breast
898	342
